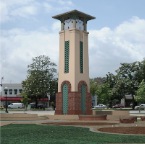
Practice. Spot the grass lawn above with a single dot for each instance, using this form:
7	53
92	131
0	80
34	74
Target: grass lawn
45	134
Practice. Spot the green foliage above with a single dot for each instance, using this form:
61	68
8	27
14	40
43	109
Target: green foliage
140	94
101	89
93	87
111	80
25	99
126	81
127	77
46	134
41	78
141	71
104	93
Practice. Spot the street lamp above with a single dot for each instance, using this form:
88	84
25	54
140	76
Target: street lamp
1	81
1	84
48	95
6	90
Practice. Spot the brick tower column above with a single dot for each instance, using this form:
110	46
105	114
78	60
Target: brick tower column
73	95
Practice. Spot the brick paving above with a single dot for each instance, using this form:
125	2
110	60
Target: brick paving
50	118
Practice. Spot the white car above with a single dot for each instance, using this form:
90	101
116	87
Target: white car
142	106
100	106
16	105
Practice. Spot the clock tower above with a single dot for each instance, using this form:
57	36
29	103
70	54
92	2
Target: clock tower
73	95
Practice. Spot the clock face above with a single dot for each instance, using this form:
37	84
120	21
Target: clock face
79	24
68	24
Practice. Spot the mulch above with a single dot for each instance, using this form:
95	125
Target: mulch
124	130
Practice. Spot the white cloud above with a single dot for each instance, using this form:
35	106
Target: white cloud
64	2
24	11
19	47
3	11
48	7
109	48
56	26
61	2
57	5
12	9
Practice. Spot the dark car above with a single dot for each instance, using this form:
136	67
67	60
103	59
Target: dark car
118	106
40	106
33	105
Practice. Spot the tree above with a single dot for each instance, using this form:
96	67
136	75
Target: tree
141	71
25	100
111	79
128	74
104	93
94	83
140	94
93	87
41	74
99	88
127	79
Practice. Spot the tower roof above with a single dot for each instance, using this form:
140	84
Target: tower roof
72	14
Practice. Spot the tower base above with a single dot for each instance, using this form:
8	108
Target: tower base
74	104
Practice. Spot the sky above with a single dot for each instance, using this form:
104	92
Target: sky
27	30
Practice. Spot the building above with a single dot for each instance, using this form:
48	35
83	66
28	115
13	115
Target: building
73	95
127	100
13	94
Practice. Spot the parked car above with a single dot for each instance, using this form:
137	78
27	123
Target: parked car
142	106
118	106
16	105
33	105
100	106
40	106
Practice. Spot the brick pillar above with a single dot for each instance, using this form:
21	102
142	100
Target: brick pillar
74	107
88	104
58	109
74	101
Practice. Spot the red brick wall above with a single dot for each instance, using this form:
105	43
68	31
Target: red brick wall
88	104
74	100
91	117
58	103
74	103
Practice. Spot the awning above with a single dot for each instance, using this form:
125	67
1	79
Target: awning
20	98
10	98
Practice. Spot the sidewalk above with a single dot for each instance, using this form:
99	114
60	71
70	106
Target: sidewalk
39	113
48	114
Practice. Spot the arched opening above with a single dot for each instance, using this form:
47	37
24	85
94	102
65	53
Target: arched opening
65	98
83	99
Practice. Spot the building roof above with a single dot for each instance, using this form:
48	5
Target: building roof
73	13
10	85
128	97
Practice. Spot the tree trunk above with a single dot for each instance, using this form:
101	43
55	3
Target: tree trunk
133	102
36	102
